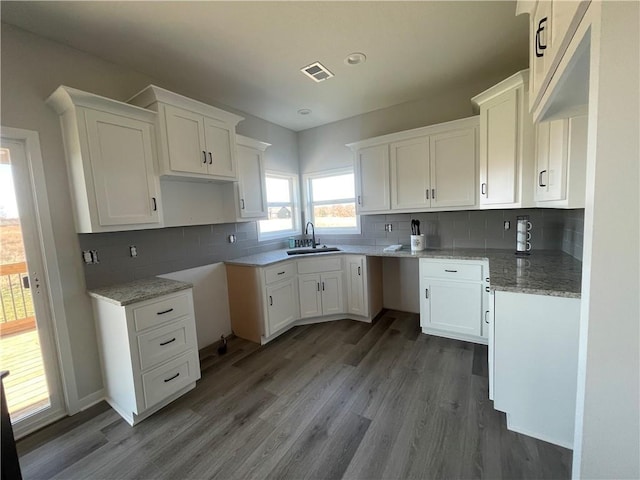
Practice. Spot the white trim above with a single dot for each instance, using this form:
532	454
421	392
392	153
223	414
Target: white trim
308	215
295	201
59	325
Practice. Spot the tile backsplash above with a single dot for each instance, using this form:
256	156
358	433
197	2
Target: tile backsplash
171	249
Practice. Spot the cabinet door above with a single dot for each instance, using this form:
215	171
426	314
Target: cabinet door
372	178
453	168
186	143
499	150
221	158
251	183
410	182
332	297
452	306
540	48
310	296
356	287
281	305
122	169
552	147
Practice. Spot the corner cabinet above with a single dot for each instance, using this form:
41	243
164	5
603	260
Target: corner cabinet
111	155
454	299
506	144
265	302
149	352
428	168
195	140
251	188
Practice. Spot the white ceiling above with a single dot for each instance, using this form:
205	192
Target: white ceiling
248	55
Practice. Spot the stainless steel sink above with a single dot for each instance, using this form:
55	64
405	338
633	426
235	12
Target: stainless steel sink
305	251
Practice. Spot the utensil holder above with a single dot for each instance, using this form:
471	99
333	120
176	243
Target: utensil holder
418	243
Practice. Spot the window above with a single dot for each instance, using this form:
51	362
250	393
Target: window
282	207
332	201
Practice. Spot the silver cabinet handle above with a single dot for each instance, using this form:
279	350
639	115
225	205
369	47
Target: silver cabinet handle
540	184
485	317
483	189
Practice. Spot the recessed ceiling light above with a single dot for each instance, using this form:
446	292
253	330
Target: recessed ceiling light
355	58
304	111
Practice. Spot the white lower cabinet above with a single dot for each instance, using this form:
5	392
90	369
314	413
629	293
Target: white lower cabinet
357	302
534	364
281	305
454	298
320	294
149	352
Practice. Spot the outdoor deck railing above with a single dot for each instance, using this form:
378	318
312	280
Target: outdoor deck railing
17	304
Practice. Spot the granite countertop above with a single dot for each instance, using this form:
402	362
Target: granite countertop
544	272
139	290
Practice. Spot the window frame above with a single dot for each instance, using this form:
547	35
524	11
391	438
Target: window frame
309	203
294	183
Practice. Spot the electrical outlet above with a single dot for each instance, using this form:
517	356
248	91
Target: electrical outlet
133	251
94	256
507	224
232	238
87	257
388	227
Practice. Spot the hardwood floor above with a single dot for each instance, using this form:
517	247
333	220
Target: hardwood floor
334	400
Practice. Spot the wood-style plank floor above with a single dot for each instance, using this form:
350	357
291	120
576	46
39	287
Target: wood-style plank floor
334	400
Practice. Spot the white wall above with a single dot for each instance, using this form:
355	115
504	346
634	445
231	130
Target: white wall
607	439
32	67
210	301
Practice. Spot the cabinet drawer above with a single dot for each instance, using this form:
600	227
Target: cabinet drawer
165	342
452	271
279	272
320	265
167	379
164	310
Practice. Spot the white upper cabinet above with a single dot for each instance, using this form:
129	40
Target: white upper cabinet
252	192
195	140
453	166
410	174
111	153
561	150
426	168
372	179
553	24
506	145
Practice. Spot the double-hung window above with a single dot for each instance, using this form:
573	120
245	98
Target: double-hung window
282	206
331	201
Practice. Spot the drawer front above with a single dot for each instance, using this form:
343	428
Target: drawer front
279	272
167	379
165	342
164	310
318	265
452	271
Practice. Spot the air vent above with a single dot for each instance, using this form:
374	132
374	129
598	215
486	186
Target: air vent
317	72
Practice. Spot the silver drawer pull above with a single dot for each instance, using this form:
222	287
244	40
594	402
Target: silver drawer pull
168	342
165	311
171	378
451	271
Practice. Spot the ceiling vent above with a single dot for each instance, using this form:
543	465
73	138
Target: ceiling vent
317	72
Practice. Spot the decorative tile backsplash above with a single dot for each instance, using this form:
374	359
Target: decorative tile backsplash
171	249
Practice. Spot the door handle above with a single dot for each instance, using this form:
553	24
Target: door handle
540	184
539	45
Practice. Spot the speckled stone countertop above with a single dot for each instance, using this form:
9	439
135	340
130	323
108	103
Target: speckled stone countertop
138	291
544	272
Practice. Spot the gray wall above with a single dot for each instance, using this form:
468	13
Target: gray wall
32	67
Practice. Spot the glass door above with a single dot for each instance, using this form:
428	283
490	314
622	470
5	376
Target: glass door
26	337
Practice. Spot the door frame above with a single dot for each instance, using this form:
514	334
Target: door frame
57	329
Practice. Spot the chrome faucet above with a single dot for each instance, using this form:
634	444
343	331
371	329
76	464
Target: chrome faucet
313	233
